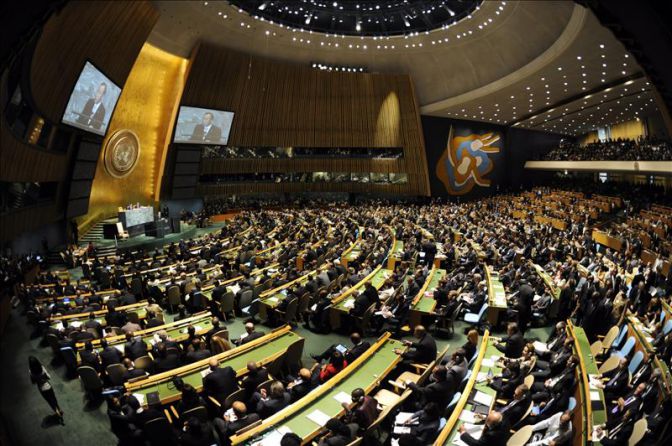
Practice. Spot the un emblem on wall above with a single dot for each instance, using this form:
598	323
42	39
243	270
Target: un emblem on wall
122	152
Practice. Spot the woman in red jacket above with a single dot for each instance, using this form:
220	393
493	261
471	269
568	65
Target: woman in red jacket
336	364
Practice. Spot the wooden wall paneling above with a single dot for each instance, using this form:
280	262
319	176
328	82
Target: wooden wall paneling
26	219
280	104
109	33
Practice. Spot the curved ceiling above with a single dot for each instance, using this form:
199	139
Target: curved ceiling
506	63
361	17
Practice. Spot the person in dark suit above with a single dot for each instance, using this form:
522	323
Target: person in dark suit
93	323
422	351
617	384
255	376
196	433
512	346
207	131
134	347
152	321
438	390
513	412
109	355
618	429
131	372
251	334
506	383
471	346
220	382
362	303
272	401
93	113
90	357
228	427
338	434
363	410
165	360
301	386
426	429
198	351
495	432
358	347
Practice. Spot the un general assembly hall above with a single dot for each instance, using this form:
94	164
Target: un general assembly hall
336	223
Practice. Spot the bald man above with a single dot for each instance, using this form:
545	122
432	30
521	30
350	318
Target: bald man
250	334
229	425
302	385
255	376
220	382
494	432
423	350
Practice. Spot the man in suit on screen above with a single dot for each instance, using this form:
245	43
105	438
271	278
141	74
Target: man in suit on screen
93	113
207	131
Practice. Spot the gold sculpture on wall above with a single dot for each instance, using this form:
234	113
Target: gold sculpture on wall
122	152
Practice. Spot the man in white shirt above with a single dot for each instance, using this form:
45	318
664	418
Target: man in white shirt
556	430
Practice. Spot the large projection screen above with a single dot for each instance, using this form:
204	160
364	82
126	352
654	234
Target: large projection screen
203	126
92	101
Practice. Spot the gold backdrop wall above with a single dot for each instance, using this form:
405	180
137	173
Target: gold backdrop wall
148	107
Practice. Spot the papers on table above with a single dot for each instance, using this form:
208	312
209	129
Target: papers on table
481	377
318	417
273	438
598	434
595	395
472	429
206	372
119	347
594	381
75	324
273	299
234	288
343	397
540	347
140	397
59	325
350	303
483	398
403	417
198	328
468	416
487	362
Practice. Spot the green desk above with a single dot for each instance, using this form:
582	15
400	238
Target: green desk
487	351
424	302
345	303
80	318
548	281
177	331
497	304
588	366
644	341
395	254
264	351
366	372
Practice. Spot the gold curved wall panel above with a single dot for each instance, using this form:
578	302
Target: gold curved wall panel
148	107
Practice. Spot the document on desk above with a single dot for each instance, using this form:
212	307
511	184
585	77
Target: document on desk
595	395
140	397
483	398
234	288
349	303
273	438
273	299
472	429
540	347
343	397
594	381
487	362
468	416
318	417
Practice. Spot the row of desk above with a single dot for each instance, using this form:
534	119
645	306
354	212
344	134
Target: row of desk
366	372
